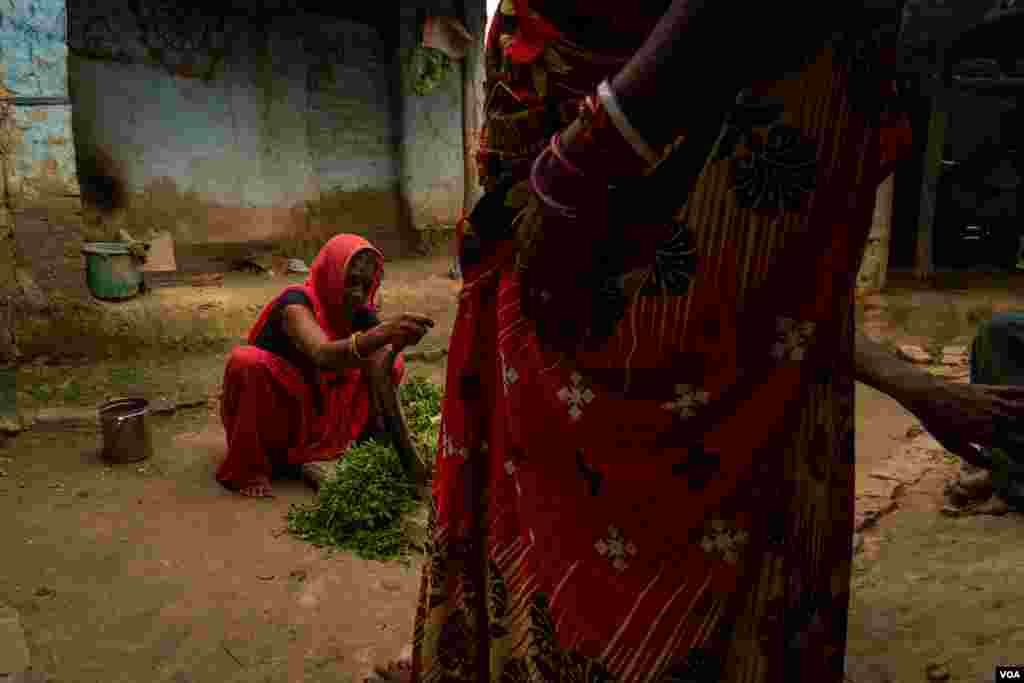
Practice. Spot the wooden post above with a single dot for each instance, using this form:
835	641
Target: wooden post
474	18
875	263
924	267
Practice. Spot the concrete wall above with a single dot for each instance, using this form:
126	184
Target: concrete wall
245	128
431	160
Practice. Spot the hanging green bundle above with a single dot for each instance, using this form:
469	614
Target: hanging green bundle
427	69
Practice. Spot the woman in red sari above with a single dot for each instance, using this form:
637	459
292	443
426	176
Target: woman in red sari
320	372
646	462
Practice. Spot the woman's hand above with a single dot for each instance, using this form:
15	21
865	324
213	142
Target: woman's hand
406	330
959	415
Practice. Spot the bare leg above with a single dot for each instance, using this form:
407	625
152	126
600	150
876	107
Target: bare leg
388	408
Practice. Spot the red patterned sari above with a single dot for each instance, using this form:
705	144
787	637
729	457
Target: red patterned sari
677	505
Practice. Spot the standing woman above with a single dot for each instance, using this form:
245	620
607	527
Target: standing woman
320	372
646	469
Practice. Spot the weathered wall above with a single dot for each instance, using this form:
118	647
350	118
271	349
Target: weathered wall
40	189
431	160
33	57
245	128
225	129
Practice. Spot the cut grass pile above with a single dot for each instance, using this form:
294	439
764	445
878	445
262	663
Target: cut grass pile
361	509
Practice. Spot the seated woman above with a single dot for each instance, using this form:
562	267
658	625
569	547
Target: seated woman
319	373
997	361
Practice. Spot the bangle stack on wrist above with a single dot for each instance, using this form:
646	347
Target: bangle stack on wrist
607	142
604	151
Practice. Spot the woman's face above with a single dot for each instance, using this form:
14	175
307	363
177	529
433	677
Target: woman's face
362	272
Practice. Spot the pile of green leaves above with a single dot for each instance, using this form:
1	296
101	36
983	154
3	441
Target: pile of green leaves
427	69
421	403
362	508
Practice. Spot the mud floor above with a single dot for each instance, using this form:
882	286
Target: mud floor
152	573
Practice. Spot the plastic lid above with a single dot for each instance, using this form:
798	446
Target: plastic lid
106	248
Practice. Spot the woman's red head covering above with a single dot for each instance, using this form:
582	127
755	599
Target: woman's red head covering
326	283
325	286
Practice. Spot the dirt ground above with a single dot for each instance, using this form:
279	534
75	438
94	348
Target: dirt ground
152	572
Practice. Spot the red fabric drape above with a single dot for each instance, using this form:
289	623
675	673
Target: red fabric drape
268	407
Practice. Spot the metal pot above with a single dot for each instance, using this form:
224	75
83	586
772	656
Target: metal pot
126	436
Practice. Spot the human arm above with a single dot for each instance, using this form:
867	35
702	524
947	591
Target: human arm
959	416
715	49
305	332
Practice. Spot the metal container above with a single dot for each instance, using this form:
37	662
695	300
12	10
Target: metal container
111	271
126	436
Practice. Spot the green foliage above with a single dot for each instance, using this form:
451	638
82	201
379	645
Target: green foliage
71	391
427	68
361	509
41	392
421	402
126	375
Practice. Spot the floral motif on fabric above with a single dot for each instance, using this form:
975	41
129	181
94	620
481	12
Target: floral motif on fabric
576	396
688	400
774	164
724	542
792	339
749	115
778	172
675	263
616	548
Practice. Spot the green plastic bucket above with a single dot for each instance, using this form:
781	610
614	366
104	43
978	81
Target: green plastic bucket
111	271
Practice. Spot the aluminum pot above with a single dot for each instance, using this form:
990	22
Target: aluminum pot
126	436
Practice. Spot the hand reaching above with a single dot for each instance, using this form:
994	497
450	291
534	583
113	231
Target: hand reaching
959	415
407	330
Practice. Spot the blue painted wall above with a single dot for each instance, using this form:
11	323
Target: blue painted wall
33	63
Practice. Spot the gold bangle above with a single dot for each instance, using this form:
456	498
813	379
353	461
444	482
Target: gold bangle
355	348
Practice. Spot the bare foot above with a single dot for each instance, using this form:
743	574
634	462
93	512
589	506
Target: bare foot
259	490
398	671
